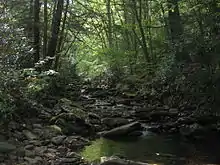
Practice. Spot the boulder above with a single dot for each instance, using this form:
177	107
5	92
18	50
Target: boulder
29	135
192	130
114	122
122	131
58	139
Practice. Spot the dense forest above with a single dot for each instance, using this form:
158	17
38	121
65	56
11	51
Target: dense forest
72	71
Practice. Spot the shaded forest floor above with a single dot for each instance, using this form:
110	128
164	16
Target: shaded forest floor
53	129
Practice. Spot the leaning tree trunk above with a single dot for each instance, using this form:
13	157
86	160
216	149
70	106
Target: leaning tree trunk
55	27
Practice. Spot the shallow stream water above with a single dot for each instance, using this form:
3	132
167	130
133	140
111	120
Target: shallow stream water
155	149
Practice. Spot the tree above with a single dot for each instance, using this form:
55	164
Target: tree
55	28
59	47
176	28
36	30
45	29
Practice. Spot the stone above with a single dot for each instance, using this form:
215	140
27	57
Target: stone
68	160
34	161
173	111
37	126
93	115
186	120
40	150
35	142
29	135
121	131
6	147
73	154
29	147
58	139
30	154
191	130
114	122
75	142
51	131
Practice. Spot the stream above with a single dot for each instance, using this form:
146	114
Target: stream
155	149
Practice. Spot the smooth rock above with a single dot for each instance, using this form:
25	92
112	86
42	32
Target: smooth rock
58	139
114	122
29	135
29	147
121	131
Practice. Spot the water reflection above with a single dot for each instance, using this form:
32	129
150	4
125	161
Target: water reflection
157	150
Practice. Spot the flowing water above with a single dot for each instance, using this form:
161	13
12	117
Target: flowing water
155	149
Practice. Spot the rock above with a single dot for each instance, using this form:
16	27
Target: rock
30	154
34	161
93	118
58	139
93	115
158	115
29	147
37	126
51	131
75	142
114	122
29	135
13	126
154	128
186	120
73	154
191	130
118	161
20	152
6	147
174	111
153	115
35	142
66	161
40	150
62	149
121	131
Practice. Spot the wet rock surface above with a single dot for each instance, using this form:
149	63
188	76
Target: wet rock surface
55	135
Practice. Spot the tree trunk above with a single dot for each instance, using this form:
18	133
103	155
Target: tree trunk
45	29
30	21
36	31
61	37
141	28
55	27
109	18
176	30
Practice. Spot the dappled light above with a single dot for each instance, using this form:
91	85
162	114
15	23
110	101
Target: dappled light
109	82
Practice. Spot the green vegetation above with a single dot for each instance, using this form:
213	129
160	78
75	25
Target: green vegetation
154	49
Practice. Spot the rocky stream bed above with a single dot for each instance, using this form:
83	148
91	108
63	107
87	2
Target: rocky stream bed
57	135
